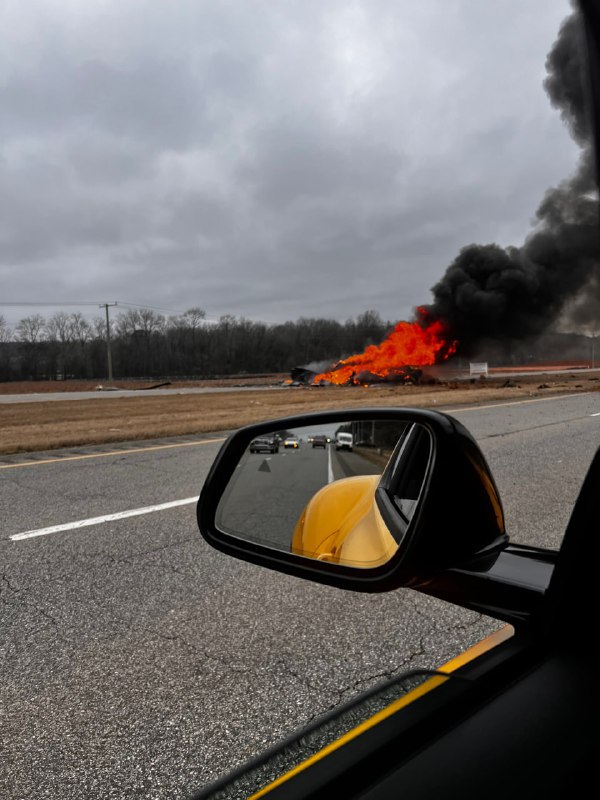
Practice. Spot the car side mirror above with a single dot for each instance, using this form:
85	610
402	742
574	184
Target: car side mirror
368	499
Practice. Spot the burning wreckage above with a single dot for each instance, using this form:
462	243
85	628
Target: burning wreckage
407	375
398	359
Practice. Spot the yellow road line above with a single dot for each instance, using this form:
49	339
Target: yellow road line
111	453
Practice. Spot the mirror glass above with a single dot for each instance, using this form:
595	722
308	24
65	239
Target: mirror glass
312	490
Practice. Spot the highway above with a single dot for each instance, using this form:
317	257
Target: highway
138	662
107	393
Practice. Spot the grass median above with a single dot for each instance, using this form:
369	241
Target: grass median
36	426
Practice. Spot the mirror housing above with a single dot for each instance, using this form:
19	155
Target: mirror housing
458	521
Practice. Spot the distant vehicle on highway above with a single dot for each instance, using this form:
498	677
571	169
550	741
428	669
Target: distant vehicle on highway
291	441
320	440
264	444
344	441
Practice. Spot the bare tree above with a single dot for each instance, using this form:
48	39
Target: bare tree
191	319
81	335
187	341
81	329
141	347
98	328
139	319
6	333
59	334
30	332
58	327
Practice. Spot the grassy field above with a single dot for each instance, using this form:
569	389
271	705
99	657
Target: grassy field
29	427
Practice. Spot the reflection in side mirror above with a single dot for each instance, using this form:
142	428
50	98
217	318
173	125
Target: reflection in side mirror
365	499
315	491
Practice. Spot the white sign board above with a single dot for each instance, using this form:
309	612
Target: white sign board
480	368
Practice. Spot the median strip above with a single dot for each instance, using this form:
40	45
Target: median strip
134	450
85	523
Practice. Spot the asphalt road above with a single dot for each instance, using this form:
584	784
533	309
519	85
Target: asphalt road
139	663
107	394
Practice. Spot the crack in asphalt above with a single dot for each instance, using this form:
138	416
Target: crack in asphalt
109	560
46	614
393	672
443	626
12	588
404	666
368	681
222	662
129	561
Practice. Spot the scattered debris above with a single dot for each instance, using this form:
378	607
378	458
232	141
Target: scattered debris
508	384
155	386
406	375
301	376
544	386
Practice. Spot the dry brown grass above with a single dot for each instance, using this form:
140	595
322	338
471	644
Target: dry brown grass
28	427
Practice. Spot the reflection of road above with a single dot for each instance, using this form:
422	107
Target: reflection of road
269	493
345	463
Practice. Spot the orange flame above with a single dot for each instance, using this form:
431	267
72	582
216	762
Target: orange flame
415	344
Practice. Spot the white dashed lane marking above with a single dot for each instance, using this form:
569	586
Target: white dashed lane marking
85	523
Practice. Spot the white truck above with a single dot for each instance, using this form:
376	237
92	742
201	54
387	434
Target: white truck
344	441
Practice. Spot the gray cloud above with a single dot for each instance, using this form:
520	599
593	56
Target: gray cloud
265	159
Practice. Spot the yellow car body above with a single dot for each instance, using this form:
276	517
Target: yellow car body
341	523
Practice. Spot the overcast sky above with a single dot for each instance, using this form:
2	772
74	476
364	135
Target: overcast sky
267	158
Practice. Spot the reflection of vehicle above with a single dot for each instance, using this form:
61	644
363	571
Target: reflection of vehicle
291	441
342	523
264	444
344	441
319	440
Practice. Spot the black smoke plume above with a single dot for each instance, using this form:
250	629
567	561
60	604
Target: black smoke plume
491	295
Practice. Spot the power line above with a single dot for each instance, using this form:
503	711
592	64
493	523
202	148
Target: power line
150	308
29	303
158	308
72	303
66	303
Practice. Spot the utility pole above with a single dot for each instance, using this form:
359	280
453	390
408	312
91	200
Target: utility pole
105	306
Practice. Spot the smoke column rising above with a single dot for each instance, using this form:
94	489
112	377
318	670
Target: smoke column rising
495	294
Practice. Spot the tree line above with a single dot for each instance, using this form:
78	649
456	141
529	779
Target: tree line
146	344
